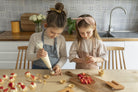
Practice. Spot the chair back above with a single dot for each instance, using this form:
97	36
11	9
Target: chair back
115	58
21	62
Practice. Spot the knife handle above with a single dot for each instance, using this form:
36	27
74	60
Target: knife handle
70	74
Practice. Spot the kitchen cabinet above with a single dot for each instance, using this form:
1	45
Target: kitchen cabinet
131	54
8	53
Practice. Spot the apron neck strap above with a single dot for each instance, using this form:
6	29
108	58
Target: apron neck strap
42	38
94	47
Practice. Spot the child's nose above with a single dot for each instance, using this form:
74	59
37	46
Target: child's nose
55	35
85	35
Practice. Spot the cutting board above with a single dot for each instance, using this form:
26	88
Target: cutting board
97	86
26	24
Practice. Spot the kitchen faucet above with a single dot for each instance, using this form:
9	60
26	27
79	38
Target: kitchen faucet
108	34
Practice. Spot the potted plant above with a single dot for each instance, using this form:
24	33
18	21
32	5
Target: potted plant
70	25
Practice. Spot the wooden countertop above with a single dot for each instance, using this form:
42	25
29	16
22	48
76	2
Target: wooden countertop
128	78
24	36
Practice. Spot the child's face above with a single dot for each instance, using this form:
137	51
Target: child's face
86	33
54	32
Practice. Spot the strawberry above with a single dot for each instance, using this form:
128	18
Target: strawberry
11	77
89	81
83	74
86	82
33	77
32	83
85	79
22	86
19	83
82	81
0	80
10	84
13	88
27	72
5	90
4	76
1	87
12	73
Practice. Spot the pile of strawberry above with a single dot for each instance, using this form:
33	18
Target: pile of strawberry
84	78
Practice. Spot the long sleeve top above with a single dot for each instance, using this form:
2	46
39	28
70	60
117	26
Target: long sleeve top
36	38
86	48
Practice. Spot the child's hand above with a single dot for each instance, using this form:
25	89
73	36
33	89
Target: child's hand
57	70
90	59
41	53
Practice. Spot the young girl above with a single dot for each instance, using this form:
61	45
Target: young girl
53	41
87	50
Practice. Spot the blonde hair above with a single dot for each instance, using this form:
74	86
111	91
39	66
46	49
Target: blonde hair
83	23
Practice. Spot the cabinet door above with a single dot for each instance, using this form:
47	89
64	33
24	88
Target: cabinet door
8	53
68	65
115	43
131	54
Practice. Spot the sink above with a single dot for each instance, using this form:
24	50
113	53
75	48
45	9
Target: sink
107	34
118	34
1	32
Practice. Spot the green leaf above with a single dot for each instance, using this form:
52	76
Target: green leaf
71	25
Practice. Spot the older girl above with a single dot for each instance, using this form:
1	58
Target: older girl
53	41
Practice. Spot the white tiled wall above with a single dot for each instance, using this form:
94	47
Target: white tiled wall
100	9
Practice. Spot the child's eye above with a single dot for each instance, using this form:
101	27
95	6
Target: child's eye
82	33
52	32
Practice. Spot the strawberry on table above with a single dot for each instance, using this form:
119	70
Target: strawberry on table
6	90
13	75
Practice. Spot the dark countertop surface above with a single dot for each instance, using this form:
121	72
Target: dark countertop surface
122	34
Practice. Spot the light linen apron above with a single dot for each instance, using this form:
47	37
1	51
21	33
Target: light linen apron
52	53
83	54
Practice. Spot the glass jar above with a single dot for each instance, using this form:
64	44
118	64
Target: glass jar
38	27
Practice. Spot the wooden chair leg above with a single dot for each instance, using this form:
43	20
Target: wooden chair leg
112	59
109	60
21	60
17	60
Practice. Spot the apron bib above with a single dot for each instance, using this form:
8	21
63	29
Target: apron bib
83	54
52	53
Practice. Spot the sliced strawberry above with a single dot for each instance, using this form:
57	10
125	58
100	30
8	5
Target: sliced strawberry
33	77
86	82
5	90
0	80
4	76
82	81
12	73
13	88
10	84
1	87
89	81
22	86
27	72
83	73
32	83
19	83
79	75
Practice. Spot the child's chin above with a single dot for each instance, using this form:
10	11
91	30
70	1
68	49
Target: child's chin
86	38
52	37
